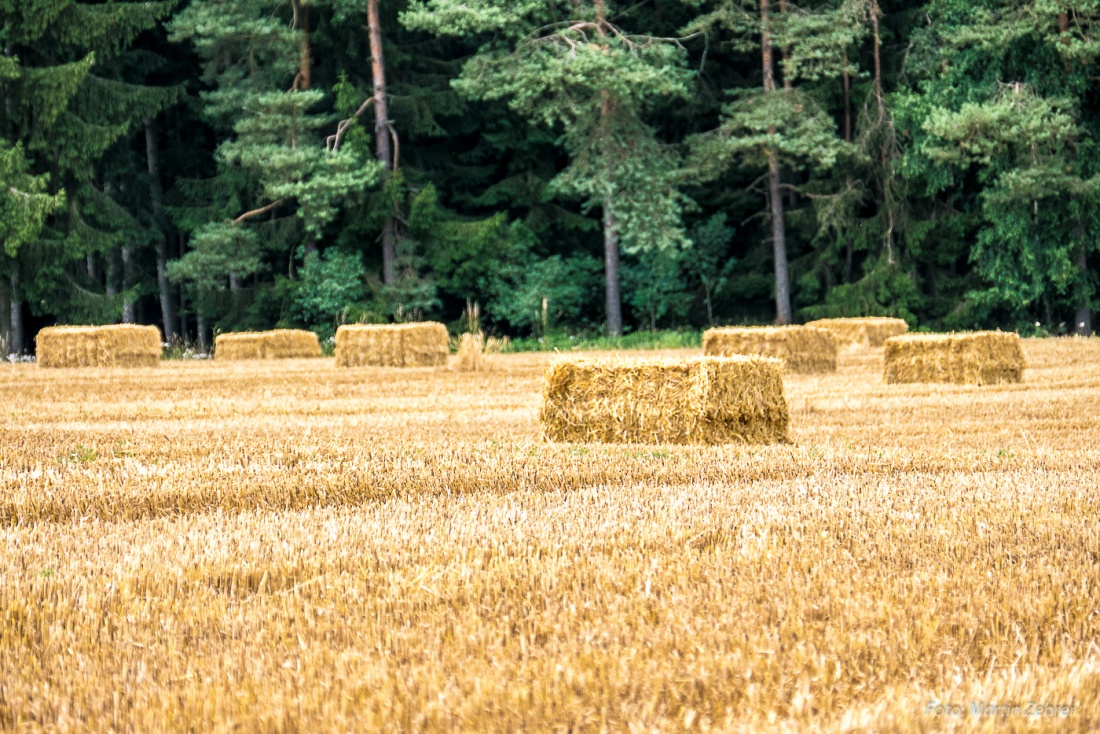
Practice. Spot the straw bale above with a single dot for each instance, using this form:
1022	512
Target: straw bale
122	345
870	331
802	348
705	400
969	358
277	344
423	344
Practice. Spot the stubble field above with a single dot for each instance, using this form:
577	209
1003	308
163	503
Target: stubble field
294	547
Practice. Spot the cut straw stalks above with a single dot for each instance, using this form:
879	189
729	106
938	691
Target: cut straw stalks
802	348
704	400
424	344
122	345
277	344
870	331
974	358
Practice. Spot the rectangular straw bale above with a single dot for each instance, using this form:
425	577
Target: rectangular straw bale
972	358
802	348
277	344
122	345
870	331
424	344
706	400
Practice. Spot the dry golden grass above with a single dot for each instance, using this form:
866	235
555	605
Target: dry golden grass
289	546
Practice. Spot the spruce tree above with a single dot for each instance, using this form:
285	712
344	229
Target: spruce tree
69	105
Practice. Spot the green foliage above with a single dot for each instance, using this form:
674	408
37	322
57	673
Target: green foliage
539	295
330	285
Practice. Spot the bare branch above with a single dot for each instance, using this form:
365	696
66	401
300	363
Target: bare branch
396	146
332	142
258	212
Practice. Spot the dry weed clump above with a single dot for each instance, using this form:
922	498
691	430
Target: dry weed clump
474	352
277	344
285	546
869	331
975	358
122	345
398	345
803	349
698	400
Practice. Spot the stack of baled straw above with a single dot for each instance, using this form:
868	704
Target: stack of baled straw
870	331
424	344
705	400
123	345
973	358
802	348
277	344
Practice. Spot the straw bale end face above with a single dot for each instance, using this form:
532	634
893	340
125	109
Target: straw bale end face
803	349
425	344
870	331
974	358
706	400
121	345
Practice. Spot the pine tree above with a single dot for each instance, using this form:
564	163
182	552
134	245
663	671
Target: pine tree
771	127
569	66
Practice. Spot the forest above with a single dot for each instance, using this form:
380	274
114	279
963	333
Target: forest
557	166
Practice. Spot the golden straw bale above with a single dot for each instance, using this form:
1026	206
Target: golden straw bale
122	345
277	344
870	331
705	400
802	348
972	358
423	344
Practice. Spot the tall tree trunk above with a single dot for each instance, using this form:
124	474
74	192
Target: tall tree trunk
383	141
200	322
1083	322
880	99
611	270
847	101
610	224
156	195
5	319
779	229
127	284
111	276
18	340
305	61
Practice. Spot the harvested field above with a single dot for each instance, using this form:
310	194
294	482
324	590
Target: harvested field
869	331
646	400
283	545
121	345
423	344
970	358
802	348
277	344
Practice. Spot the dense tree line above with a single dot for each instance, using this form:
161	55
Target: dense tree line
218	165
